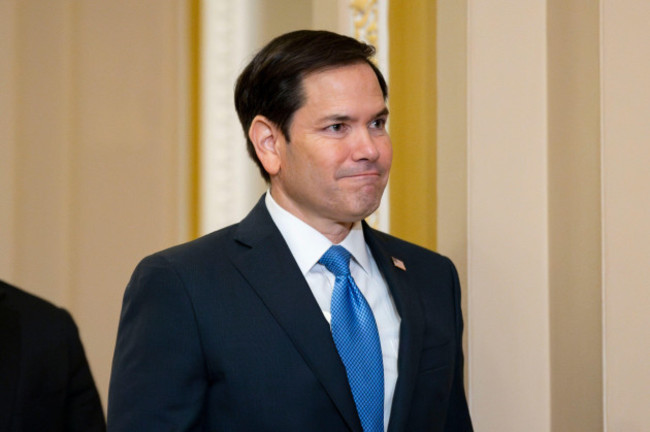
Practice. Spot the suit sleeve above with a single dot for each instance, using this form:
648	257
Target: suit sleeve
159	379
83	409
458	418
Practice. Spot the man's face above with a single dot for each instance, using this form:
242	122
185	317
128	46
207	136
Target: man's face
335	169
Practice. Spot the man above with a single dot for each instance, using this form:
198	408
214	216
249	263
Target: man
300	317
45	382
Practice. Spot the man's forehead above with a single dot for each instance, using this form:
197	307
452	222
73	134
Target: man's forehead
339	81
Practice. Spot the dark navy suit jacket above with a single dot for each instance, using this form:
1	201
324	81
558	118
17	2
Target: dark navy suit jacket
45	382
224	334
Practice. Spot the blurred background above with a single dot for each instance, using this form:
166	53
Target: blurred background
522	147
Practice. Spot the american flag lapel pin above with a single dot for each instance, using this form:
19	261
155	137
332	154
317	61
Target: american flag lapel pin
398	263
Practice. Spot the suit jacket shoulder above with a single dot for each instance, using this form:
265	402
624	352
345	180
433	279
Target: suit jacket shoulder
412	251
51	387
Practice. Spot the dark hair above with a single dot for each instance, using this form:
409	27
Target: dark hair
271	84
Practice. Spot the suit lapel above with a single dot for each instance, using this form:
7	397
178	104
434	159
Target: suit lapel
9	360
267	264
411	328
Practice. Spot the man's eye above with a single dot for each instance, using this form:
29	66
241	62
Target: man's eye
378	123
335	127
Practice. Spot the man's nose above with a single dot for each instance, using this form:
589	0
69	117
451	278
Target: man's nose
365	146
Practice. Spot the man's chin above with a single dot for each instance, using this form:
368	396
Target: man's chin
368	209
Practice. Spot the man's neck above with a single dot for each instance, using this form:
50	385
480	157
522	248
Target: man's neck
335	232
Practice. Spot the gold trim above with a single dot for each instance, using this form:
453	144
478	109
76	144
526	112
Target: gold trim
195	118
412	72
365	20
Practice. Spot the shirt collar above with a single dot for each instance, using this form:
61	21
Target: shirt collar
307	245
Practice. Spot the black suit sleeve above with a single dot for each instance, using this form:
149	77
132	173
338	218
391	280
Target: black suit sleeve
159	379
83	411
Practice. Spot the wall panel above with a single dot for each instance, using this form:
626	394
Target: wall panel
98	171
625	68
508	320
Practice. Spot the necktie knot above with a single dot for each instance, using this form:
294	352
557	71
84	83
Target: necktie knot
336	260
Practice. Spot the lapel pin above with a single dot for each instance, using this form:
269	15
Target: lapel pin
398	263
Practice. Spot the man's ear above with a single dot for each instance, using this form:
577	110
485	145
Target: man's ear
266	137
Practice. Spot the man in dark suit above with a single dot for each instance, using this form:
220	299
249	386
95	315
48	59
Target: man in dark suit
301	317
45	382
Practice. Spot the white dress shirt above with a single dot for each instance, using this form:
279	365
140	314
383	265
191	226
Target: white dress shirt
307	245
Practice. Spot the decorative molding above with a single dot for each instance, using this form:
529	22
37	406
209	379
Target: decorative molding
216	120
369	24
228	179
365	19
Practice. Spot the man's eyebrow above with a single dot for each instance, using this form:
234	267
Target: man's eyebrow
336	118
382	113
341	118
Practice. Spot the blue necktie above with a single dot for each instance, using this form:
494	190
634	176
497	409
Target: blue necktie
357	340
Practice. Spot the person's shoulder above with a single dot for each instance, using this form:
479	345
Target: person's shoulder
25	302
197	255
37	315
401	247
196	249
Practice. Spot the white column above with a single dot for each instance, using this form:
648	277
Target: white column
230	183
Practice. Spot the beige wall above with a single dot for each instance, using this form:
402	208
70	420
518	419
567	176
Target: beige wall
7	136
574	215
508	356
93	136
542	165
625	93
